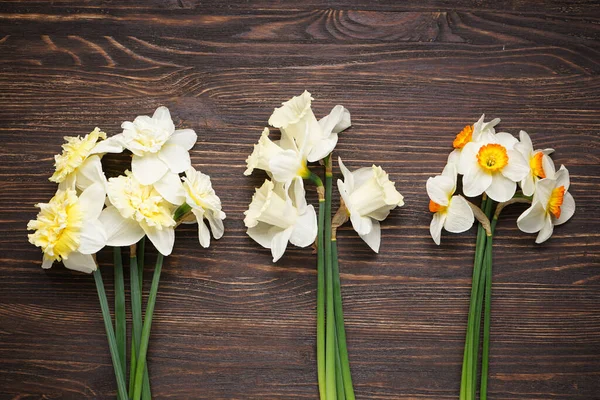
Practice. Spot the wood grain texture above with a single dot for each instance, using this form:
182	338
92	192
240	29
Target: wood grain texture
228	323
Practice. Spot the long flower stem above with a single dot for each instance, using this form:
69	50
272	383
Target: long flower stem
339	320
321	302
141	360
120	318
330	346
110	334
466	387
339	380
136	316
141	247
487	314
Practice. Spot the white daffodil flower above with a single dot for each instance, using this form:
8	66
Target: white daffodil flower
67	228
298	123
283	164
369	196
452	213
158	148
274	217
479	131
78	166
492	166
552	205
135	210
540	164
205	204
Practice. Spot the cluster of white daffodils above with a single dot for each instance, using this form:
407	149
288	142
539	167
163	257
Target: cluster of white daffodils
278	213
494	164
89	211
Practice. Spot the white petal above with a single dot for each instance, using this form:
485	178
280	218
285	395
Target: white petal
373	238
546	230
506	139
348	176
361	176
162	117
119	231
90	172
532	219
113	144
216	224
476	181
528	185
562	178
263	234
92	201
440	189
163	239
517	167
148	169
451	172
47	263
285	165
525	141
435	228
548	166
80	262
459	216
567	209
322	148
203	232
543	191
171	188
454	157
185	138
468	157
176	157
501	189
93	237
279	243
337	120
362	225
305	230
298	194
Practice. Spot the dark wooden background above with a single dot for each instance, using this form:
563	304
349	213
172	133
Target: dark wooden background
231	325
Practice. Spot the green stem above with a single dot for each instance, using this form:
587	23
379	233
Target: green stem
339	320
339	380
466	387
487	315
110	334
141	361
330	348
120	321
136	317
141	247
321	302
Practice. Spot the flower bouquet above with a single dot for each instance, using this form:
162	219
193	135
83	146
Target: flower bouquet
279	214
493	165
89	212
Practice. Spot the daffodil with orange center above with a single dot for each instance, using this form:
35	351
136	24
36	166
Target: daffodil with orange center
552	205
493	167
479	131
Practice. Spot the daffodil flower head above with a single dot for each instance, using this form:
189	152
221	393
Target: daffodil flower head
479	131
540	164
552	205
157	147
369	196
279	213
282	164
298	124
450	212
492	166
205	204
135	210
67	228
79	164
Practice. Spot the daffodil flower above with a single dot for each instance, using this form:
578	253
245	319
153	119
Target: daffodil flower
540	164
479	131
279	214
67	228
298	124
78	166
205	204
158	148
369	196
452	213
492	166
136	210
552	205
